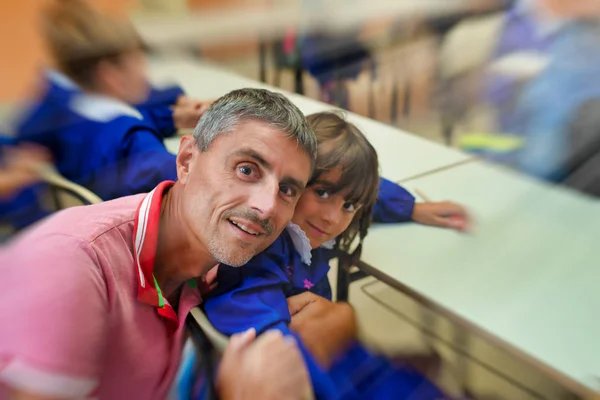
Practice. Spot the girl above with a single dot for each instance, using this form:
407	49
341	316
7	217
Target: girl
334	211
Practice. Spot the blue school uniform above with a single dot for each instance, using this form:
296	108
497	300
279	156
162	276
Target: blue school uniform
394	203
46	115
114	151
157	108
255	296
549	102
109	147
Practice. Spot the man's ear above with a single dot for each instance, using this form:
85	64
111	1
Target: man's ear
188	149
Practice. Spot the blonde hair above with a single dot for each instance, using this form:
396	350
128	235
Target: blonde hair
79	37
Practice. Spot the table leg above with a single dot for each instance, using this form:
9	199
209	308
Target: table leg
343	278
461	342
262	60
299	80
427	323
570	396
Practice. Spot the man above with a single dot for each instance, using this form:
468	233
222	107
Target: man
95	297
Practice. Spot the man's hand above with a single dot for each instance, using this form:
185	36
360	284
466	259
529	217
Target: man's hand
445	214
188	111
325	328
270	367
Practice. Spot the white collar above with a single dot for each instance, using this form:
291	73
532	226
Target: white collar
101	108
302	243
330	244
61	80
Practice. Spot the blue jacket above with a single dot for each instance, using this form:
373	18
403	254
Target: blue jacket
46	114
107	146
549	103
541	109
114	154
255	296
394	203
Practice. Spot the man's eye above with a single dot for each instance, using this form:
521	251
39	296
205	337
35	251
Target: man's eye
287	190
247	171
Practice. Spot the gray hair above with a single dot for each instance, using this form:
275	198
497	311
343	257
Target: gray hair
255	104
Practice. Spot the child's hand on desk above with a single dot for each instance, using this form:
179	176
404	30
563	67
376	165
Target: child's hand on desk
326	328
188	111
445	214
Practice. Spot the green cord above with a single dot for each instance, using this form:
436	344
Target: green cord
161	301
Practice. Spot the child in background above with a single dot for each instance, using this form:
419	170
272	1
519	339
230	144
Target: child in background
335	209
87	117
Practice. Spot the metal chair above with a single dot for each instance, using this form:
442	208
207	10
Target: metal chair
64	192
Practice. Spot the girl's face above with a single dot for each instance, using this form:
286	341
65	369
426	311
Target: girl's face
321	214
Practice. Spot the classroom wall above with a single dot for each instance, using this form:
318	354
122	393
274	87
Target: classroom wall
22	46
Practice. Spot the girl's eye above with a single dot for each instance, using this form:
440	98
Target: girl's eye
322	193
349	207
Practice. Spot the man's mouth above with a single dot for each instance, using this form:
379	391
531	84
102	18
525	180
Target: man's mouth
246	227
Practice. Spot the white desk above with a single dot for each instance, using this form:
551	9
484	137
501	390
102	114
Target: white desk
401	155
528	275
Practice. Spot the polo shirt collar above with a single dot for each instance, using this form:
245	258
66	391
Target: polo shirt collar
145	242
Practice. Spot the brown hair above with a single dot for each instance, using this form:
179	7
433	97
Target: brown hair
79	37
342	145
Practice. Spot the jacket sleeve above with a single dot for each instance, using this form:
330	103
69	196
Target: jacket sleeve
258	301
144	162
158	109
394	203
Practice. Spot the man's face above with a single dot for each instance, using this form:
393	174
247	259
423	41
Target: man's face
240	193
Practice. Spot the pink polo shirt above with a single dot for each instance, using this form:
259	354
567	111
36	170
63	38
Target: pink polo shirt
80	315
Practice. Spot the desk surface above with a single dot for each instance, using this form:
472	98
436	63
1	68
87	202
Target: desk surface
528	275
401	155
